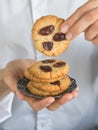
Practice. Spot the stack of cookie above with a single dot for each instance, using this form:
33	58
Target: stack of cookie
48	77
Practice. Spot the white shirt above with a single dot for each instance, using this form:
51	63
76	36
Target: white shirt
16	20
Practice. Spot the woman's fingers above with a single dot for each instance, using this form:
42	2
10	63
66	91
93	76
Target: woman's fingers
38	104
79	21
95	40
50	102
78	14
82	24
64	99
92	31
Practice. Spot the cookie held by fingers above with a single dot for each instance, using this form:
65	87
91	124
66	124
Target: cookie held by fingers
47	36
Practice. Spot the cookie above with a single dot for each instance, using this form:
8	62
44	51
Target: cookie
47	36
49	70
57	86
39	92
22	86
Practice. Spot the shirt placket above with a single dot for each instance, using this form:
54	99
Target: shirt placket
39	8
44	120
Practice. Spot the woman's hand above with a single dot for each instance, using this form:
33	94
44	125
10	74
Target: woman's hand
84	19
15	70
51	103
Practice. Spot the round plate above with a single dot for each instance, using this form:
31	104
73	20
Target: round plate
22	86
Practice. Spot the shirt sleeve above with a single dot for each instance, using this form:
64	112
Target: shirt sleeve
6	107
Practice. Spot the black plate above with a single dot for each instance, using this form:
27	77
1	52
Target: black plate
22	86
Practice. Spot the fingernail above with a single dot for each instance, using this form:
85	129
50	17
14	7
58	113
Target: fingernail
64	29
68	36
77	88
51	100
75	95
67	98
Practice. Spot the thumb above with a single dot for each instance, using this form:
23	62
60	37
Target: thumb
11	82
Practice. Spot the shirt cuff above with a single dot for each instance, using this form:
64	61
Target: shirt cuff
6	107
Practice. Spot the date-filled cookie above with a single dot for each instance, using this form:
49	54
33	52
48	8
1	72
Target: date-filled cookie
49	89
47	36
57	86
30	88
49	70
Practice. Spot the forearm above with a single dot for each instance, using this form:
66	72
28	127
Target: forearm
4	90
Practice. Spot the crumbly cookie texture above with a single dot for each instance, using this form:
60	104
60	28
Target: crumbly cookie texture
38	92
47	36
49	70
59	85
49	89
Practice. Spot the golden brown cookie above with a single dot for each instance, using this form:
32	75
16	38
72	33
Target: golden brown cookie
49	89
47	36
22	86
59	85
49	70
39	92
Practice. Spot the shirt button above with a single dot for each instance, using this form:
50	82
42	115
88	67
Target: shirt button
43	124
